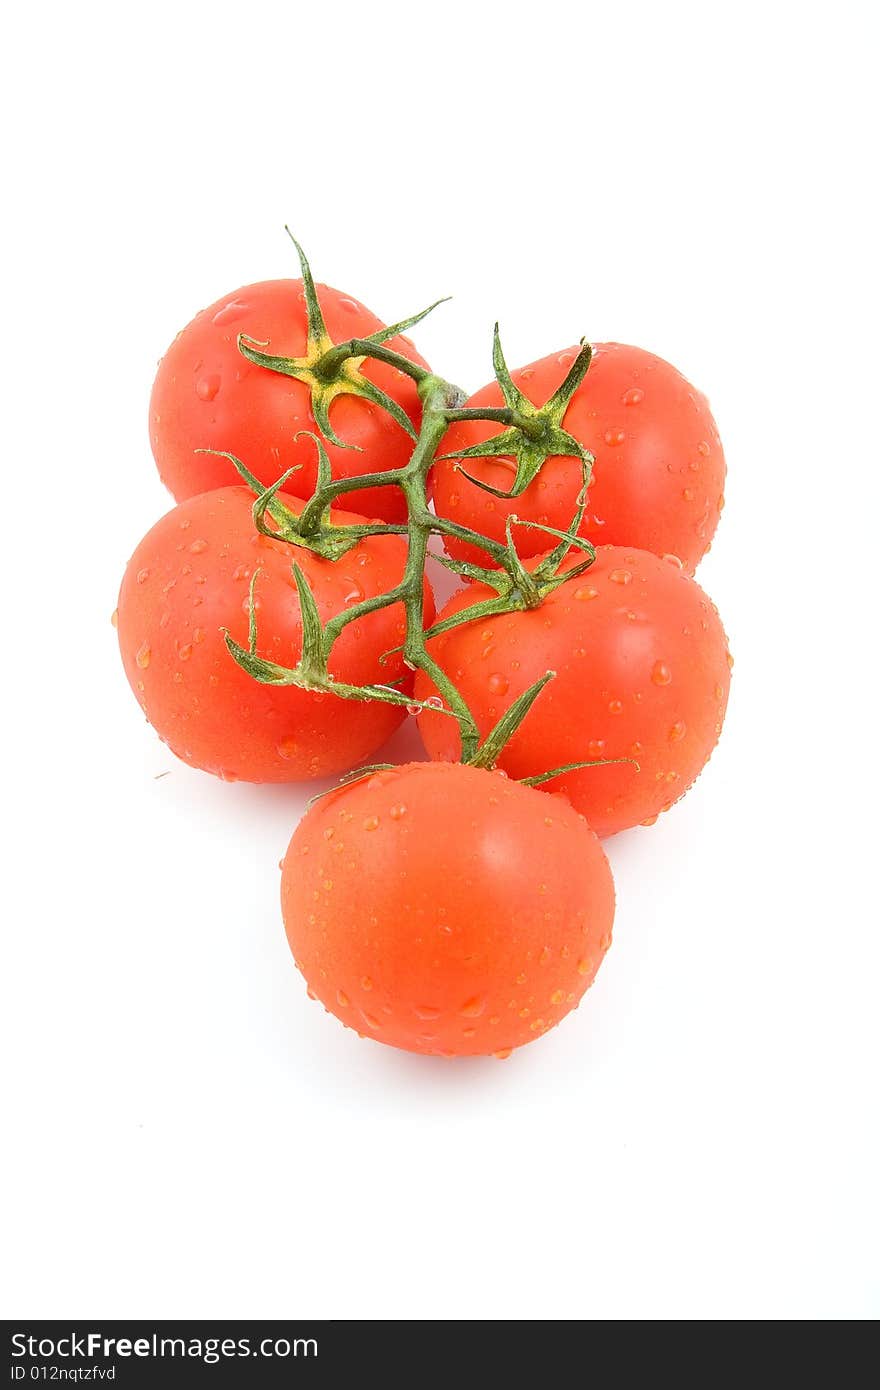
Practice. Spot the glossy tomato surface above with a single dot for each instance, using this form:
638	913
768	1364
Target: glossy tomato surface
658	476
643	672
189	578
207	395
446	910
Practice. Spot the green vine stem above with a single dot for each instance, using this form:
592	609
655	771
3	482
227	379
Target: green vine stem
531	434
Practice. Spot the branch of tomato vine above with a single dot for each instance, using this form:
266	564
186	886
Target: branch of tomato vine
531	435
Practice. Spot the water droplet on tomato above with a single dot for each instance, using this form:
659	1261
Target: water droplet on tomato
371	823
652	820
614	437
208	386
142	656
498	684
350	306
660	673
620	577
342	999
673	560
704	448
198	547
503	1054
472	1008
287	748
230	313
678	731
114	618
184	652
615	707
634	396
143	575
596	748
730	661
355	593
426	1012
585	594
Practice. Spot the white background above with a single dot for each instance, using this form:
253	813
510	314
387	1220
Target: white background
187	1136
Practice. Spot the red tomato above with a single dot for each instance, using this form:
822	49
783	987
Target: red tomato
642	672
443	909
658	476
208	396
189	577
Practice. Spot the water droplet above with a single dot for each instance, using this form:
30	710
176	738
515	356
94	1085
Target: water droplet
434	702
370	1021
673	560
350	306
615	707
184	652
557	996
678	731
185	524
498	684
427	1012
538	1023
704	448
114	618
329	833
729	660
614	437
198	634
584	967
198	547
585	594
565	359
287	748
503	1054
241	572
355	593
371	823
142	656
620	577
366	983
472	1008
230	313
413	709
342	999
634	396
652	820
719	693
143	575
397	812
721	503
660	673
596	748
544	956
208	386
671	777
524	1013
636	749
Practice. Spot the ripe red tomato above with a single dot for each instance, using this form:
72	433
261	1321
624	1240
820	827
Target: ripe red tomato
443	909
642	672
189	578
658	476
208	396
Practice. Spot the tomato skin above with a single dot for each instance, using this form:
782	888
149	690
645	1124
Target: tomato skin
642	672
442	909
190	577
658	476
208	396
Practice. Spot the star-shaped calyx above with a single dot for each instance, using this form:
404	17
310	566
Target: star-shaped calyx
535	432
329	374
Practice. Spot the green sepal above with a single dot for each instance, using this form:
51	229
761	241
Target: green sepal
542	777
326	372
492	745
536	433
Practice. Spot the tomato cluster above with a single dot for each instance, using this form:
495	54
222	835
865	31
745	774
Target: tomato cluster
278	625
